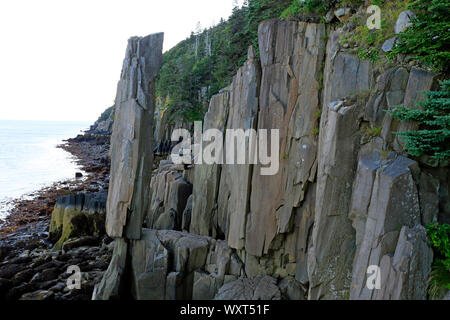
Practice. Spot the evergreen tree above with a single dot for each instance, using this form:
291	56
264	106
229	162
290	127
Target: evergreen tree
433	116
428	38
210	58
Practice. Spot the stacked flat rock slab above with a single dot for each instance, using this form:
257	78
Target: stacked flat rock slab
131	143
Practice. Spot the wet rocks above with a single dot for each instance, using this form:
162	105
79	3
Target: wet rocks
38	295
111	285
41	274
78	215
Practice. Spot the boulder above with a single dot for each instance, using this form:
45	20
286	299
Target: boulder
149	267
404	21
204	287
169	198
388	45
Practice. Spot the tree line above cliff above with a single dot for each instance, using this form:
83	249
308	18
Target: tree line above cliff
198	67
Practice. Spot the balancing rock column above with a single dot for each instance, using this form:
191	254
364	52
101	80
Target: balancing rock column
132	138
131	157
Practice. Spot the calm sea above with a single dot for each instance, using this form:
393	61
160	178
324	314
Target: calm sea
29	159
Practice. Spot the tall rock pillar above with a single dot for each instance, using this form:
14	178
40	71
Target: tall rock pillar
131	141
131	157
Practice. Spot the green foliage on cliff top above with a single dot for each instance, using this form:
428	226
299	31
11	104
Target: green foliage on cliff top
439	235
367	43
209	59
433	116
298	7
428	38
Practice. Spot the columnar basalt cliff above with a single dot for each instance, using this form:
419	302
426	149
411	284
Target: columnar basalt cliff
343	200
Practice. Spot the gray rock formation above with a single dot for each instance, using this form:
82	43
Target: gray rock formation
168	198
345	199
111	285
389	44
258	288
291	57
404	21
330	258
131	151
78	215
234	198
418	82
171	265
390	203
205	194
104	123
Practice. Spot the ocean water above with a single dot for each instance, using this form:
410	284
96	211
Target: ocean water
29	159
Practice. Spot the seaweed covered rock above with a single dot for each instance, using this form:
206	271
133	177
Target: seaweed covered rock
78	215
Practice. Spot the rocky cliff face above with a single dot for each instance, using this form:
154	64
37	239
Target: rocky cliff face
346	196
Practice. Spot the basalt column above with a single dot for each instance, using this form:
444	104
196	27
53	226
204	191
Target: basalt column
131	142
131	157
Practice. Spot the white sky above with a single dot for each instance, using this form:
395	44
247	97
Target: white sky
61	59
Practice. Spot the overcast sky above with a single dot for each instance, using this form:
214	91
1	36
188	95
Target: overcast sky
61	59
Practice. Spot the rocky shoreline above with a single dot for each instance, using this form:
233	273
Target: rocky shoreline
31	268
